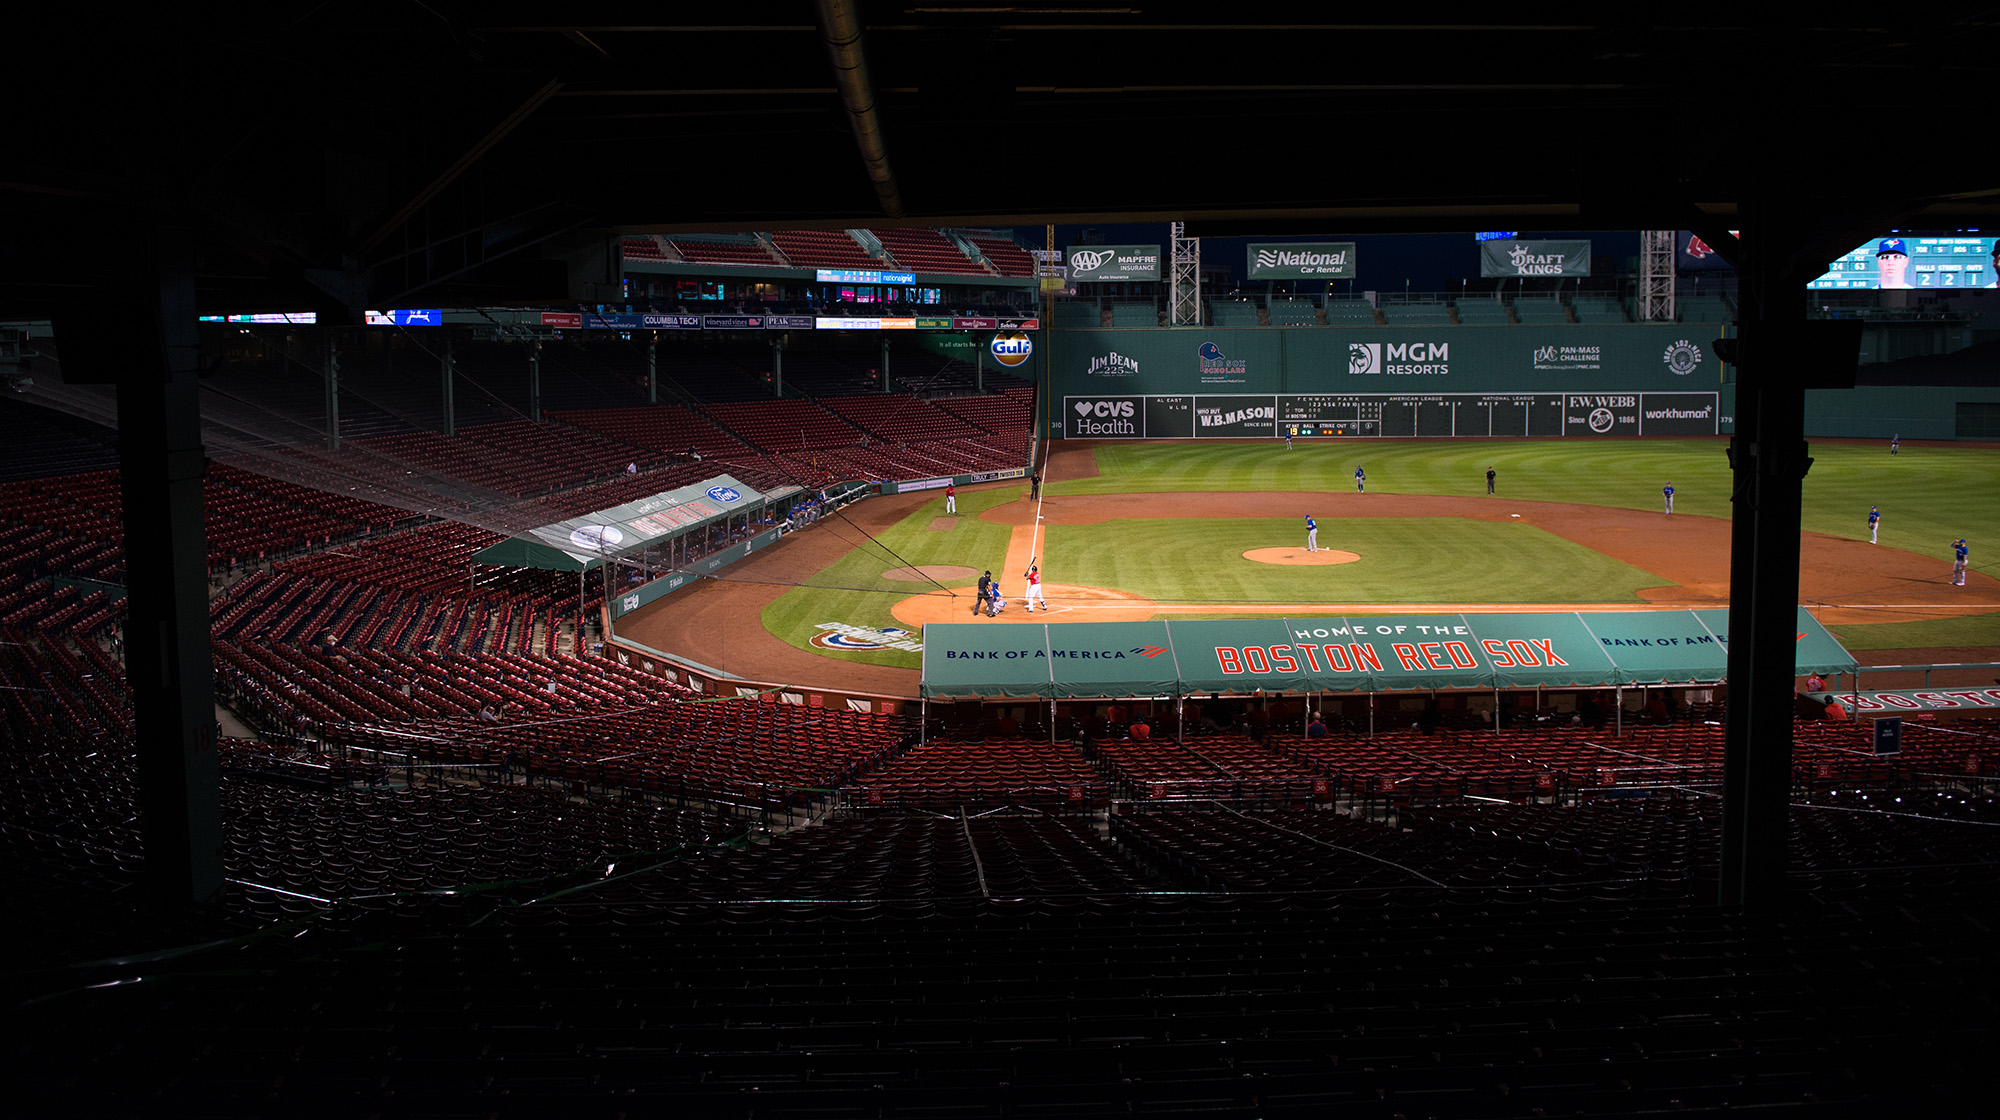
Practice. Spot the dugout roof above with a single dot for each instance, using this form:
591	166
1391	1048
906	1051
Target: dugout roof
1345	653
579	543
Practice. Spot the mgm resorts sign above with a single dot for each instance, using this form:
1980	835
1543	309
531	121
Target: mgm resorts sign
1301	260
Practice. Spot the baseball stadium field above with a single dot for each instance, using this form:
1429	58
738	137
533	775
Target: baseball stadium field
1213	529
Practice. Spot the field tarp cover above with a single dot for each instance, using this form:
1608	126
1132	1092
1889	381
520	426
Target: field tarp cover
1346	653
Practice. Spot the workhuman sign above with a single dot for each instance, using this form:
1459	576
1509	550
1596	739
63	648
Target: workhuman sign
1347	653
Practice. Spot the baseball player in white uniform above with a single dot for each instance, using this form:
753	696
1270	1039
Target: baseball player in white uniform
1312	535
1034	578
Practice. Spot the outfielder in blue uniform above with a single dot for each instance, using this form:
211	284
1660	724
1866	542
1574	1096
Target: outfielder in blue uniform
1669	492
1312	535
1874	522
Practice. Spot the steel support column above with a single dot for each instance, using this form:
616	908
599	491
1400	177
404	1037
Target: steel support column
151	355
1185	285
445	382
1656	276
535	381
332	380
1778	356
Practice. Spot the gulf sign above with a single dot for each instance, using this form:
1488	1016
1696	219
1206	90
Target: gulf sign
1011	348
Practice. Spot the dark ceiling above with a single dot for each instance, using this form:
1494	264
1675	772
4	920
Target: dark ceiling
338	156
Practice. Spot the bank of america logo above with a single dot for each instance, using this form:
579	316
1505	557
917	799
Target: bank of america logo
1364	357
1149	651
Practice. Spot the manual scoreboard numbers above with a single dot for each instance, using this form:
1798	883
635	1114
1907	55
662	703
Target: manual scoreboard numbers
1371	415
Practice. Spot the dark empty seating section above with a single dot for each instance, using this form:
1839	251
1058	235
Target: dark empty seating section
1004	255
926	250
645	248
899	418
823	249
993	772
668	428
41	442
743	250
1221	767
785	425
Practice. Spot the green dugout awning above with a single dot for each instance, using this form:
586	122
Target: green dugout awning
1347	653
580	543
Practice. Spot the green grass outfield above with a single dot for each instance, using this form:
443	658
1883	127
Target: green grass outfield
1403	560
1930	495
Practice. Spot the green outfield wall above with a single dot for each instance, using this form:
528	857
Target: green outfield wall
1428	382
1911	411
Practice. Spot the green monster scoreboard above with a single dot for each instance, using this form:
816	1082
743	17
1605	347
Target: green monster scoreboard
1377	415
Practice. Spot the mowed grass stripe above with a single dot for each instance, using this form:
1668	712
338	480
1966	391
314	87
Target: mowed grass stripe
1929	495
1403	560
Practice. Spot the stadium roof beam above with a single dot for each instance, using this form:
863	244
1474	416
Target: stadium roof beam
840	28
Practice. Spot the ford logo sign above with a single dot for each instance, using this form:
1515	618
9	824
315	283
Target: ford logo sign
724	493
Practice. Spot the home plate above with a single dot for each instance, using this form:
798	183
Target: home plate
1300	556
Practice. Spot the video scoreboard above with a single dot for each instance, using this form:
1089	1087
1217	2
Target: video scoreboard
1929	263
1377	415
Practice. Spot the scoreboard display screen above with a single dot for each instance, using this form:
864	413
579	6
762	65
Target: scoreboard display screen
1375	415
1922	263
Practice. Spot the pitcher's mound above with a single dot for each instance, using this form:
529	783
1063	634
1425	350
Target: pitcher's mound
1300	556
924	573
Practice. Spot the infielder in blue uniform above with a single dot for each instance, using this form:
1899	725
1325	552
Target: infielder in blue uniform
1669	492
1874	522
1958	562
1360	480
1312	535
